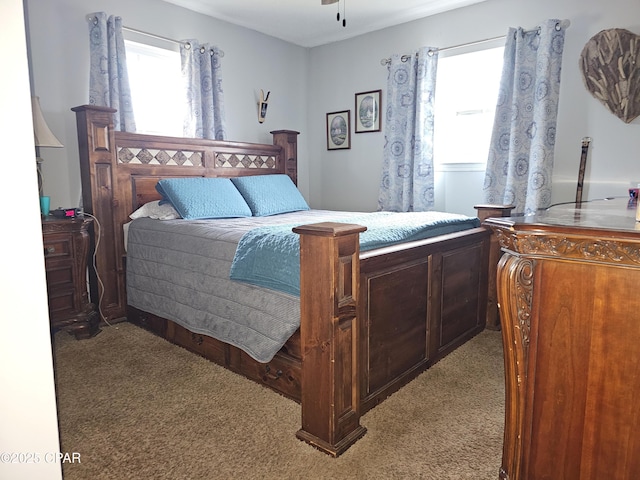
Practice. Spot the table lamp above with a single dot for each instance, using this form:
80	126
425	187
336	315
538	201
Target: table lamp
42	136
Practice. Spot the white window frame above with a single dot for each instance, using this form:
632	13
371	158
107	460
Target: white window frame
156	88
465	88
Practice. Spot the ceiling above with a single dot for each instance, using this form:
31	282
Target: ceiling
308	23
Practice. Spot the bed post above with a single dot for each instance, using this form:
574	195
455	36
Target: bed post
96	143
484	212
329	276
288	140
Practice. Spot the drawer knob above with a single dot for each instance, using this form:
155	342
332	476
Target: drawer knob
271	376
50	250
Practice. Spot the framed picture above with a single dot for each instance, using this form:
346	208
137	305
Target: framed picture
339	130
368	111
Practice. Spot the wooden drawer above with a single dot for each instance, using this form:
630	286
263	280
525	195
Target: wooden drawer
57	247
197	343
147	321
60	303
283	374
293	347
60	276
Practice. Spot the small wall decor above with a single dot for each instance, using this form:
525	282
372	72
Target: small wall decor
368	111
262	106
339	130
610	66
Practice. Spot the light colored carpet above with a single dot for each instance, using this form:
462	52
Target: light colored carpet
136	407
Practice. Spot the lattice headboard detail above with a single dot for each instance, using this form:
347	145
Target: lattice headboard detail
245	161
113	164
130	155
148	156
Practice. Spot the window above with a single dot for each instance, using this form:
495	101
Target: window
156	89
466	94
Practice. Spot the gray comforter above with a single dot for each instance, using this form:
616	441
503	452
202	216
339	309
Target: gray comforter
180	270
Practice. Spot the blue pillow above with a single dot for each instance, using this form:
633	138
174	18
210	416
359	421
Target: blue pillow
199	197
270	194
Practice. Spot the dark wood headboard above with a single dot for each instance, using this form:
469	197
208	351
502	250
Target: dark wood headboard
119	171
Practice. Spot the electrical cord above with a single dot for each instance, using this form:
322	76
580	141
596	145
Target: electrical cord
95	268
584	201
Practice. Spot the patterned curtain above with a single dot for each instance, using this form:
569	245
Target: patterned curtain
202	72
520	161
108	77
407	170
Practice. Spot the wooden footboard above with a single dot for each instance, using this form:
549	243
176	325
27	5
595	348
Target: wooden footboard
418	304
372	322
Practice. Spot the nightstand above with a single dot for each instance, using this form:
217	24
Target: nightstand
66	251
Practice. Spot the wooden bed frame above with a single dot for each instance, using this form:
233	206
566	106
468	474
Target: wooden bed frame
370	322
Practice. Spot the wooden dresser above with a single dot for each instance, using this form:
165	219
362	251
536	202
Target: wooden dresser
66	250
569	296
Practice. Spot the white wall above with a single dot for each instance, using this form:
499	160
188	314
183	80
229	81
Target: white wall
28	419
59	54
458	188
349	179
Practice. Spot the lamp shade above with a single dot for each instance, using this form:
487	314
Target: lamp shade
42	135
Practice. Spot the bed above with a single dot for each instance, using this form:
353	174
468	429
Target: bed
369	322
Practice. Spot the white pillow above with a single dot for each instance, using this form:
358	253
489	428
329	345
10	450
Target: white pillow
156	211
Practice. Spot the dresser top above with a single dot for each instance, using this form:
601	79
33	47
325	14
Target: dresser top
612	215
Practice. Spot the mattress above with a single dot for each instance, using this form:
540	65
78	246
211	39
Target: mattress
180	270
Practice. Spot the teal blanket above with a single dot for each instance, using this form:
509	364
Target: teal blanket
270	256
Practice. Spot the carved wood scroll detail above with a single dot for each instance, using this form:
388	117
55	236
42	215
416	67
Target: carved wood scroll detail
515	293
617	252
524	295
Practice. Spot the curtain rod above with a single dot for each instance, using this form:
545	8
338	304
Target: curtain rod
559	25
217	51
404	58
152	35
